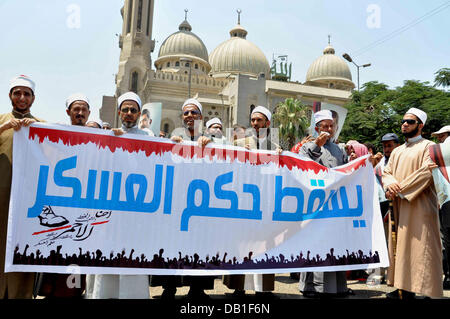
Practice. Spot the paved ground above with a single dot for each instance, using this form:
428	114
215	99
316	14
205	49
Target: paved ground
287	288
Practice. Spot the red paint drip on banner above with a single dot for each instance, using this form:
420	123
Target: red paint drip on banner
353	166
183	150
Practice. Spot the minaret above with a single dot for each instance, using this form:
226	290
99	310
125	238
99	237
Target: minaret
135	44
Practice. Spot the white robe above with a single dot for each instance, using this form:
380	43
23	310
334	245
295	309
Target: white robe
117	287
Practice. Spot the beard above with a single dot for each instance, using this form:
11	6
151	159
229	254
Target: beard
216	134
128	124
412	133
79	120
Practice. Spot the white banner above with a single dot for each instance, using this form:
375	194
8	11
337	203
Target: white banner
140	205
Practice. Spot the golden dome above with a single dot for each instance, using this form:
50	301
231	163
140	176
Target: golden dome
330	70
238	55
183	44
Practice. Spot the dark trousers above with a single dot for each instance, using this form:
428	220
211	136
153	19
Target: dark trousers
172	282
55	286
444	216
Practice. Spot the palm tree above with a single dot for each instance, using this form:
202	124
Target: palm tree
292	120
442	77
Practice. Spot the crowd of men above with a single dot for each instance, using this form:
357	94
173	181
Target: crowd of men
414	224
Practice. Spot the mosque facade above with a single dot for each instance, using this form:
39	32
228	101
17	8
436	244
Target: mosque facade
229	81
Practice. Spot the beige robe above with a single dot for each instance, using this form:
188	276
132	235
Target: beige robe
417	265
20	284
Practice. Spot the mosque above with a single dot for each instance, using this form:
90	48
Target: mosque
229	81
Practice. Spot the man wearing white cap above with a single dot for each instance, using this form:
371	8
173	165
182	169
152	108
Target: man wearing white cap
21	94
192	118
260	139
416	266
53	285
444	211
94	124
262	284
327	153
442	134
77	107
106	126
129	110
214	131
122	286
322	149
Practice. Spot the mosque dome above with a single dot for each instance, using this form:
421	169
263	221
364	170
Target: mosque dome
182	44
330	71
238	55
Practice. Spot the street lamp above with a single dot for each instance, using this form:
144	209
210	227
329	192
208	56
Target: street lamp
186	60
349	59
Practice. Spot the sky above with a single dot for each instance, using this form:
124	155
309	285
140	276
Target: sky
72	46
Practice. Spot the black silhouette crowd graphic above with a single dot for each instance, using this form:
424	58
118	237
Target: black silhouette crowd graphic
98	259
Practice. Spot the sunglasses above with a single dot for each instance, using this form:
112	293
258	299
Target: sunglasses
129	109
186	113
410	122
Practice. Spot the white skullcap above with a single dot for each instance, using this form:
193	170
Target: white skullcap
213	121
129	96
99	122
419	113
76	97
263	110
445	129
21	80
323	115
194	102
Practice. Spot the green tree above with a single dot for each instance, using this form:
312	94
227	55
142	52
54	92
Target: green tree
370	114
442	77
376	110
291	117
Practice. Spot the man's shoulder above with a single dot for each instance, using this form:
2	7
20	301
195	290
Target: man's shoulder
140	132
333	146
423	144
179	131
426	142
148	131
398	149
310	145
5	117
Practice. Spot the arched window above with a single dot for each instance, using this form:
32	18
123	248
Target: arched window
166	128
252	107
168	64
149	16
134	81
196	66
177	63
139	17
129	15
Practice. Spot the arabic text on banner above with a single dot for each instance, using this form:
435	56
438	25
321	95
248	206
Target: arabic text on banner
143	205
